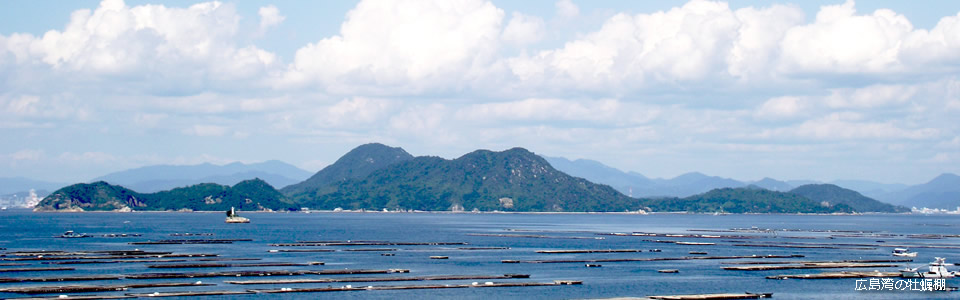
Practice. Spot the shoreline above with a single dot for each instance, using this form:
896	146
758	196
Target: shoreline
494	212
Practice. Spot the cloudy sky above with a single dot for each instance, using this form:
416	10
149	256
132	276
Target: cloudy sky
744	89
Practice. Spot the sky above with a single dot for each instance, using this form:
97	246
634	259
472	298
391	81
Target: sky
819	90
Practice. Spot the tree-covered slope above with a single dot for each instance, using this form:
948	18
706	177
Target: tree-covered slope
358	163
744	200
512	180
254	194
833	194
91	197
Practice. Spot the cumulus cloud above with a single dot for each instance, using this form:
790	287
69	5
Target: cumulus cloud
851	126
402	47
269	17
780	108
536	109
206	130
171	44
523	29
685	43
567	9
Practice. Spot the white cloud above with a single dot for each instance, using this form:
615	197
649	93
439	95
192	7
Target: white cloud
90	157
354	111
523	29
567	9
781	107
757	42
269	17
402	47
32	107
160	46
537	109
841	41
850	126
149	120
206	130
870	96
26	154
683	44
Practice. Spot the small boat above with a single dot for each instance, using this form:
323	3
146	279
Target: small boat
593	265
232	217
938	269
903	252
669	271
70	234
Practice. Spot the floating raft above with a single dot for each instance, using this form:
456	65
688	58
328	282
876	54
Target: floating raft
143	261
115	257
186	266
34	270
681	242
69	278
809	266
837	275
13	265
78	297
92	288
535	236
361	243
507	261
192	241
713	296
189	294
370	249
589	251
483	248
85	253
820	262
382	279
805	246
695	236
418	287
191	234
262	273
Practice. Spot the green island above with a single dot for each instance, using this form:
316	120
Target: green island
377	177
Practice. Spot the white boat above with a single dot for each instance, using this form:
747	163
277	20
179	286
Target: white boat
938	269
232	217
903	252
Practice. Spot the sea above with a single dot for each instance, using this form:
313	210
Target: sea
489	239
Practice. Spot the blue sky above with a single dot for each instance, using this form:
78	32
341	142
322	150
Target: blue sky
744	89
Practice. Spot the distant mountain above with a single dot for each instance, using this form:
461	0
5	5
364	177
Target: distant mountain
744	200
637	185
832	194
772	184
688	184
13	185
163	177
511	180
358	163
598	172
870	189
254	194
941	192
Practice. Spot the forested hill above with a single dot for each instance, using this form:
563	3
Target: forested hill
254	194
511	180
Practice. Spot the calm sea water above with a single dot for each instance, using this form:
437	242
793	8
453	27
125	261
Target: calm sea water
23	230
